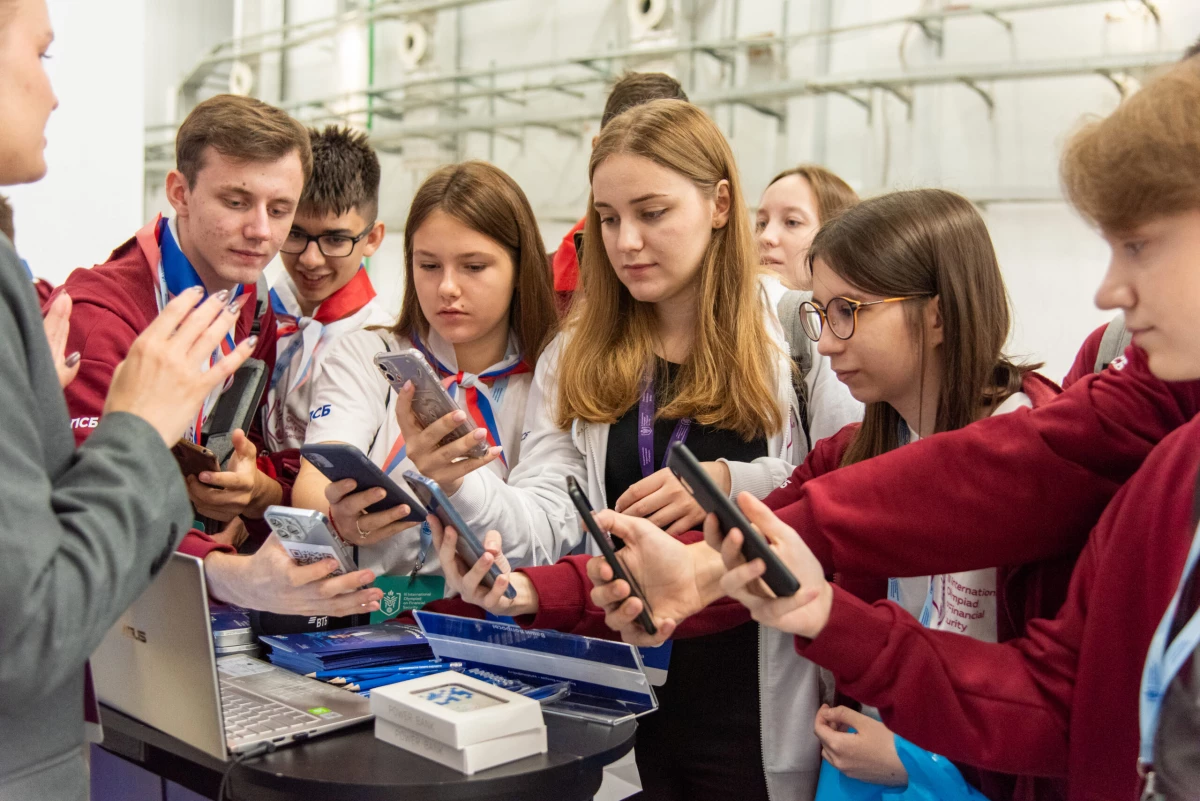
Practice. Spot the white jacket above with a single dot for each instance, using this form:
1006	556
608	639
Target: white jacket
534	504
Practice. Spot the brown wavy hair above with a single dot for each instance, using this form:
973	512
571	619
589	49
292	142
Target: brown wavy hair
728	379
928	242
485	199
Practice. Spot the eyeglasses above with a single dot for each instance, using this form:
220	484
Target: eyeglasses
332	246
841	315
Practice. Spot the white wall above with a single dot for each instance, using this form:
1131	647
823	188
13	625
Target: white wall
1051	261
91	198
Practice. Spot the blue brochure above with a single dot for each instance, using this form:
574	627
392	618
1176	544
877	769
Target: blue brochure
607	682
342	649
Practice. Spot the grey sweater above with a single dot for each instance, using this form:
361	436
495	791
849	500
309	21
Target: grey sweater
83	532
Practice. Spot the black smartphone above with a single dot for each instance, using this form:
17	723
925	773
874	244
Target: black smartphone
696	481
235	409
337	461
610	555
469	547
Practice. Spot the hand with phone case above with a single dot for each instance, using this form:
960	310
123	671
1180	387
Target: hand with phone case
441	439
366	505
806	612
241	489
470	580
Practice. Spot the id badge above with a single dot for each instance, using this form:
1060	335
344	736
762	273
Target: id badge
402	593
655	661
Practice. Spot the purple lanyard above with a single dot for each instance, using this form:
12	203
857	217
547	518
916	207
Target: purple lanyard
646	430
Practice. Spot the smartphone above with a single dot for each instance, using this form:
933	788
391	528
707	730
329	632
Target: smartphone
194	459
602	538
337	461
431	402
235	408
696	481
469	548
306	536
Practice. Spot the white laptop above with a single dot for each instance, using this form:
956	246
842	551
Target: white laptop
157	664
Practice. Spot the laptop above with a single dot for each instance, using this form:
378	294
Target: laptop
157	664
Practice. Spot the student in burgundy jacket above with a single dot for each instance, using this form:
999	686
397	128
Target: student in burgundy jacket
113	303
1063	700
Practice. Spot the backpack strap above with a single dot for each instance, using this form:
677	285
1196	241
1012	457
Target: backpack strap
1114	342
800	349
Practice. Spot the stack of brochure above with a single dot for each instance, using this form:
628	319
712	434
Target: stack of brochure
459	721
231	630
348	649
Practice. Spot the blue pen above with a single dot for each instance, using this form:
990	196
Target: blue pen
378	671
370	684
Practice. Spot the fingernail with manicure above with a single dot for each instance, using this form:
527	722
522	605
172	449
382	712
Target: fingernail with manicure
222	295
73	359
194	290
252	341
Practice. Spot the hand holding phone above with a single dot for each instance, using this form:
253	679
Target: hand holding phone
338	461
696	480
194	459
468	547
306	536
431	402
604	542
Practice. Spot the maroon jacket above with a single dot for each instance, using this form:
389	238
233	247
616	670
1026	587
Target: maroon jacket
1085	360
112	303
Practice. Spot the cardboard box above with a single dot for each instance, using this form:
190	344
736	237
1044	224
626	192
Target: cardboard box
455	709
472	758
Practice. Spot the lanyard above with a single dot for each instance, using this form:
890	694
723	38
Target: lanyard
176	274
646	410
1165	659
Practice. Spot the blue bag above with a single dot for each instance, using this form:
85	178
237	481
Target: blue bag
930	778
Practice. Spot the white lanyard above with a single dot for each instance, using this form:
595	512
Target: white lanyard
1164	660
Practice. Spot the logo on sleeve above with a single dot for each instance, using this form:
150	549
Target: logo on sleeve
320	411
85	422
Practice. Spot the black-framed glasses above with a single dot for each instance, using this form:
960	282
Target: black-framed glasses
840	314
332	246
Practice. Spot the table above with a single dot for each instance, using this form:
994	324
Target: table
351	765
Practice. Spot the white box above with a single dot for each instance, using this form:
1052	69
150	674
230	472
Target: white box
455	709
470	759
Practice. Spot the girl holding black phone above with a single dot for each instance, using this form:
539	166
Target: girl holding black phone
478	307
671	339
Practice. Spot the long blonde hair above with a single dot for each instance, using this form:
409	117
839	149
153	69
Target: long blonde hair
728	379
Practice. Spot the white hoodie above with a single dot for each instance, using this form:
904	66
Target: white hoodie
533	505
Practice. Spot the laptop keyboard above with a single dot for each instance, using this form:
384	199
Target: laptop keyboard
247	717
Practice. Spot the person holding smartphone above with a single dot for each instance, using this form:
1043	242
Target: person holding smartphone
84	530
918	337
479	305
672	340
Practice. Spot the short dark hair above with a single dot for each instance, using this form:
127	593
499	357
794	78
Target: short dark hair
1194	50
239	128
636	88
345	174
6	219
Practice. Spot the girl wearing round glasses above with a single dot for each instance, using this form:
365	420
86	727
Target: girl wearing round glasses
910	308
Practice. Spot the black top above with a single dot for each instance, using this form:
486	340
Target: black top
704	742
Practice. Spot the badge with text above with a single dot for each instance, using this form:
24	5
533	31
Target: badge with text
401	593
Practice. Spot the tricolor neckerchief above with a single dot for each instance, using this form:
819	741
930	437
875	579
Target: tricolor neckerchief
477	392
176	274
300	339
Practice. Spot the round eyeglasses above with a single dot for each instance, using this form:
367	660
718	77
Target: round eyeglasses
840	314
332	246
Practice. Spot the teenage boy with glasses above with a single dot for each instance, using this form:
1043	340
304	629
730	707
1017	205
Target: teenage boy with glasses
325	291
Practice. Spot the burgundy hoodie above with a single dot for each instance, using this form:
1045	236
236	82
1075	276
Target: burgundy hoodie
112	303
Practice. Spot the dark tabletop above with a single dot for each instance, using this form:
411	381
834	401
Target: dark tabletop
354	766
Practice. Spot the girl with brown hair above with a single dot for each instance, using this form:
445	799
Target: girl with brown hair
791	210
478	304
672	339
